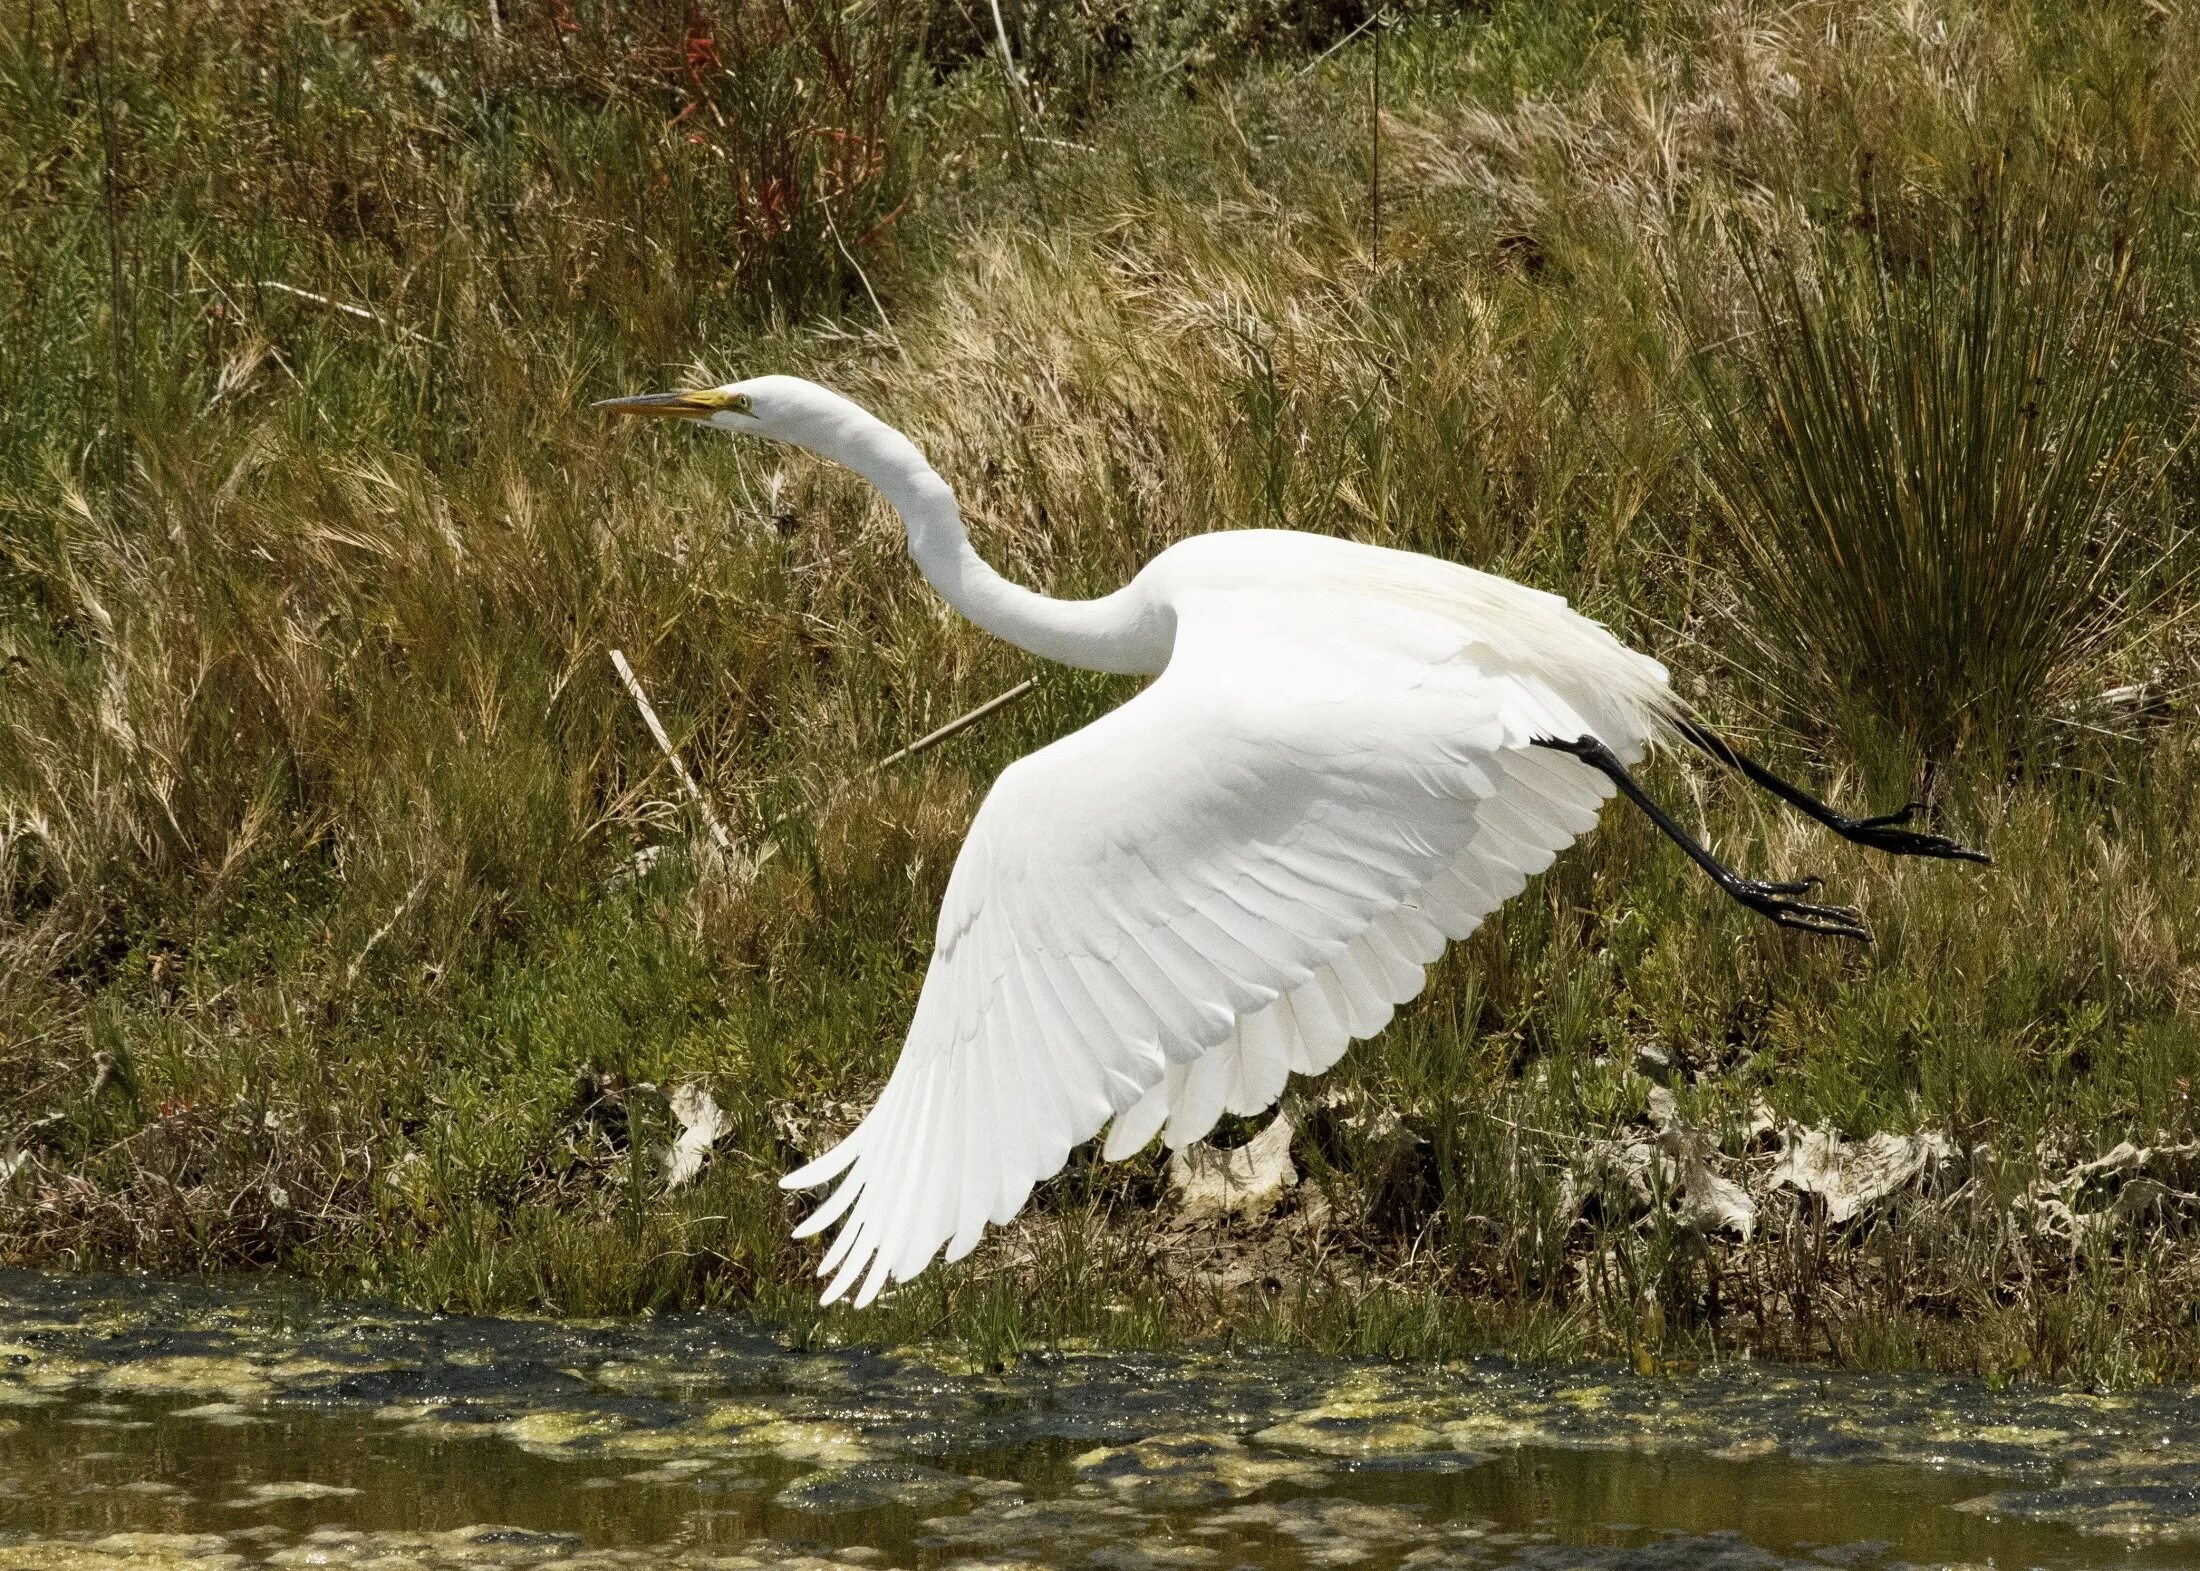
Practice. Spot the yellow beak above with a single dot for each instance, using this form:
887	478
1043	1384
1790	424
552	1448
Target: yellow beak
698	405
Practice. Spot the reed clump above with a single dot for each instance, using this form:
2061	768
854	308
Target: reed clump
1929	455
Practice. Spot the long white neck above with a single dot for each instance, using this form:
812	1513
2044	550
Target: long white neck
1118	632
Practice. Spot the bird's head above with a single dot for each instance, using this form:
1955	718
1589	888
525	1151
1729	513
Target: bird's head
785	408
805	415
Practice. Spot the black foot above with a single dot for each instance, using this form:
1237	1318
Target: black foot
1885	833
1799	886
1775	904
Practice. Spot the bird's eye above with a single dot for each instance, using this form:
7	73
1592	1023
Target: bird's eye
737	403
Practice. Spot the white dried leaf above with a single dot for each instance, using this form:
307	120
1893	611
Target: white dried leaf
2122	1162
2090	1203
1636	1165
1245	1183
1705	1198
702	1125
1852	1176
1681	1164
1710	1202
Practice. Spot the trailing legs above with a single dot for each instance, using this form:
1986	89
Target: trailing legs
1775	902
1884	833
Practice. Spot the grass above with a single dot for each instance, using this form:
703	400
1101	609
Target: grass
1937	425
325	946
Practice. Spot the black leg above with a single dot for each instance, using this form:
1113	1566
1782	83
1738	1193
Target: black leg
1884	833
1773	901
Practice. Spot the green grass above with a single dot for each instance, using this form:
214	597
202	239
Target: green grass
322	946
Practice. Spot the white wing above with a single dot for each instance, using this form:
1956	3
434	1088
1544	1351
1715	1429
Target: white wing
1544	801
1222	881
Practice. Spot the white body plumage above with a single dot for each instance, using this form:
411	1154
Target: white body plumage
1161	917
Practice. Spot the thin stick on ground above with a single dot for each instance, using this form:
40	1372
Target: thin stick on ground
718	834
346	307
1375	152
864	279
1017	85
1332	51
960	723
922	744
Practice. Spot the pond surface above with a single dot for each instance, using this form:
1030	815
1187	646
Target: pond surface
147	1425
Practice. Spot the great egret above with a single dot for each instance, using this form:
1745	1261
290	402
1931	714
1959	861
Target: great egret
1350	756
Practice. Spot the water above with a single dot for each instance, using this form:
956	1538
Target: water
146	1426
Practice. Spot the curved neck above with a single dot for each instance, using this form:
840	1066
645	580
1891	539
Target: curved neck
1114	633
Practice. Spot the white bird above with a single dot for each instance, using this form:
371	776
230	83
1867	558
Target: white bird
1349	757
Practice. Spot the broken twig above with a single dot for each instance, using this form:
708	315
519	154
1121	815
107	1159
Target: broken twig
345	306
1372	21
958	724
633	683
1017	84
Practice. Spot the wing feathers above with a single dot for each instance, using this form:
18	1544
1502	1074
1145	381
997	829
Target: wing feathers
1399	972
1323	1034
1419	938
1198	1103
1359	1000
1543	801
1137	1124
1264	1064
1162	917
824	1169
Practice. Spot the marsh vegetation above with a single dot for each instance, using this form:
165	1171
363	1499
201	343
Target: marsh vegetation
351	923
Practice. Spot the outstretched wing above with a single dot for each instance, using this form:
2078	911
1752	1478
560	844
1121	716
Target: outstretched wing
1542	803
1252	855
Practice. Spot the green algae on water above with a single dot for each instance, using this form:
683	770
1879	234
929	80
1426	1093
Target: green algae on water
158	1428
